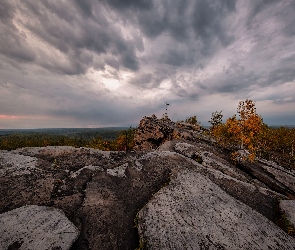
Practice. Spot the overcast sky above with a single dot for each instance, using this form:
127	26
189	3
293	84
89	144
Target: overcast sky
94	63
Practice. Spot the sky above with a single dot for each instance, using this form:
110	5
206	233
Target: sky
99	63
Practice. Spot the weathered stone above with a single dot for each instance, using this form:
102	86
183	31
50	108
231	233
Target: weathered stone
283	175
13	164
101	192
21	190
288	207
152	132
35	228
194	213
112	199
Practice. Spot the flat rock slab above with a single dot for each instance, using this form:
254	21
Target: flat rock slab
194	213
14	164
36	227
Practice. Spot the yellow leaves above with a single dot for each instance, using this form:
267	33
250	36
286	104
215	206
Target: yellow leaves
246	109
244	132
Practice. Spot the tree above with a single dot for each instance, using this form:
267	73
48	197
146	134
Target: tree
244	131
125	140
216	119
192	120
250	124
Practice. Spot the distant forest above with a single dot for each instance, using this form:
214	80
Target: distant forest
118	138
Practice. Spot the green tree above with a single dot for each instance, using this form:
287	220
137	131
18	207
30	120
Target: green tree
216	119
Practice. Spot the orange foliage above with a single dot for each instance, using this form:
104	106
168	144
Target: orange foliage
244	132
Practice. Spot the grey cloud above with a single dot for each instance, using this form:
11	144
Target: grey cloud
285	100
184	88
97	33
13	44
148	80
129	60
208	23
279	76
179	57
71	36
166	16
185	43
134	4
142	80
6	11
85	7
258	6
284	13
199	25
288	18
12	41
234	79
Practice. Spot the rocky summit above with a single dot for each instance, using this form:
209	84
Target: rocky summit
177	190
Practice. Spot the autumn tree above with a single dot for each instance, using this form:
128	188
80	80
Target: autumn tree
192	120
243	130
125	140
250	123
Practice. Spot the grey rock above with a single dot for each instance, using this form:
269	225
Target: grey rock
283	175
194	213
14	164
152	132
101	192
35	227
288	207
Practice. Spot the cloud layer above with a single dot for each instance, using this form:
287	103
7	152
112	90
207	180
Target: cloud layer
106	63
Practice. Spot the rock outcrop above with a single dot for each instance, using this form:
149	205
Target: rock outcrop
179	188
35	227
152	132
194	213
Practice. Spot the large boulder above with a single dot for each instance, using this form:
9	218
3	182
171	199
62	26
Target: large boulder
153	132
36	227
194	213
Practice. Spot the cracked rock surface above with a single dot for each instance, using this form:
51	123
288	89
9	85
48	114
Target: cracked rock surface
36	227
183	193
194	213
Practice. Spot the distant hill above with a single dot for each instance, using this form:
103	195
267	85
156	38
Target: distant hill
109	133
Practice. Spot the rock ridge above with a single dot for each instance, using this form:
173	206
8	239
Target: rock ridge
176	180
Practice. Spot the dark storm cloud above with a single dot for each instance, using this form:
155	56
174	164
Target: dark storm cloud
148	80
6	11
87	25
13	45
71	29
134	4
85	7
208	23
110	60
179	57
205	18
13	41
280	76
